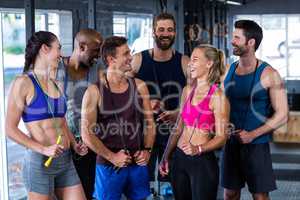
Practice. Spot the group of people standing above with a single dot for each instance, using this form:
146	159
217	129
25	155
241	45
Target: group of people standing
105	130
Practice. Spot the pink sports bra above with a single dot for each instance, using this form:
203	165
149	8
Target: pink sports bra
200	115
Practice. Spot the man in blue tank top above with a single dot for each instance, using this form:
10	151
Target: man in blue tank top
76	73
258	106
164	70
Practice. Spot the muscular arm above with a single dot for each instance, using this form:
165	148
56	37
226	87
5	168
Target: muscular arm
16	103
220	107
148	114
90	102
271	79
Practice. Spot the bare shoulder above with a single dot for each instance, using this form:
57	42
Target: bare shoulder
141	86
139	81
21	89
269	71
270	77
186	91
184	63
93	90
219	100
185	60
136	62
22	83
218	94
23	78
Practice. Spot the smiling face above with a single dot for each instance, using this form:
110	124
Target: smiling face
89	54
122	60
199	64
239	43
53	53
164	34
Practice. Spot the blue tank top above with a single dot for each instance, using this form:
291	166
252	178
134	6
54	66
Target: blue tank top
248	109
165	81
38	107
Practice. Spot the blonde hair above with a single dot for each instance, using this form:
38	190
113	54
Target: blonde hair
217	56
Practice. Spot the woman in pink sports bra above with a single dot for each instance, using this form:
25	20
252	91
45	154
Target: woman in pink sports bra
200	130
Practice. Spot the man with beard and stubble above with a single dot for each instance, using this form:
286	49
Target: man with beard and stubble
258	104
76	73
164	70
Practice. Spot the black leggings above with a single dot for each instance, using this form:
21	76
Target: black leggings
86	168
194	177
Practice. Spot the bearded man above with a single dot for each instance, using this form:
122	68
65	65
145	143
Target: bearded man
258	105
165	72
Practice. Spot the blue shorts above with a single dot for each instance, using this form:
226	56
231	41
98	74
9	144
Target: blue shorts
132	181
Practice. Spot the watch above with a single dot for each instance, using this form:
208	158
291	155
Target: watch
149	149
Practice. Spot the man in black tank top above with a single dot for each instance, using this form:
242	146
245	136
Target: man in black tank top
164	70
117	124
75	73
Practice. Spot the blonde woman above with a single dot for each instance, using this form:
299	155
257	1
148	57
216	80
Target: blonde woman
200	130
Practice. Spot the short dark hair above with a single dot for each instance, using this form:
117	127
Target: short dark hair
163	16
251	31
109	47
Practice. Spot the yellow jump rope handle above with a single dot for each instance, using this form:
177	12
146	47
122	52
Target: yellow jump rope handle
49	160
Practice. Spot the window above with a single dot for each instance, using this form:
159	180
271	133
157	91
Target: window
136	27
281	42
12	47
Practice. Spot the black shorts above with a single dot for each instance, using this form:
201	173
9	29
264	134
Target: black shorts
194	177
247	163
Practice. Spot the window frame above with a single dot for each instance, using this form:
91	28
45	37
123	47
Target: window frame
3	153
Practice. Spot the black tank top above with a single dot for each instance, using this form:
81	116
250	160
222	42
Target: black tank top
167	75
165	81
120	114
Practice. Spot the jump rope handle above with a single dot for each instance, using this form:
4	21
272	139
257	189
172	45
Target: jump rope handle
49	160
116	168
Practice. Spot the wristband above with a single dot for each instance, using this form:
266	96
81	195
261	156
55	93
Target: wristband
149	149
200	149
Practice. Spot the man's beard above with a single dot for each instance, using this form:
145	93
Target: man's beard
163	45
239	50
